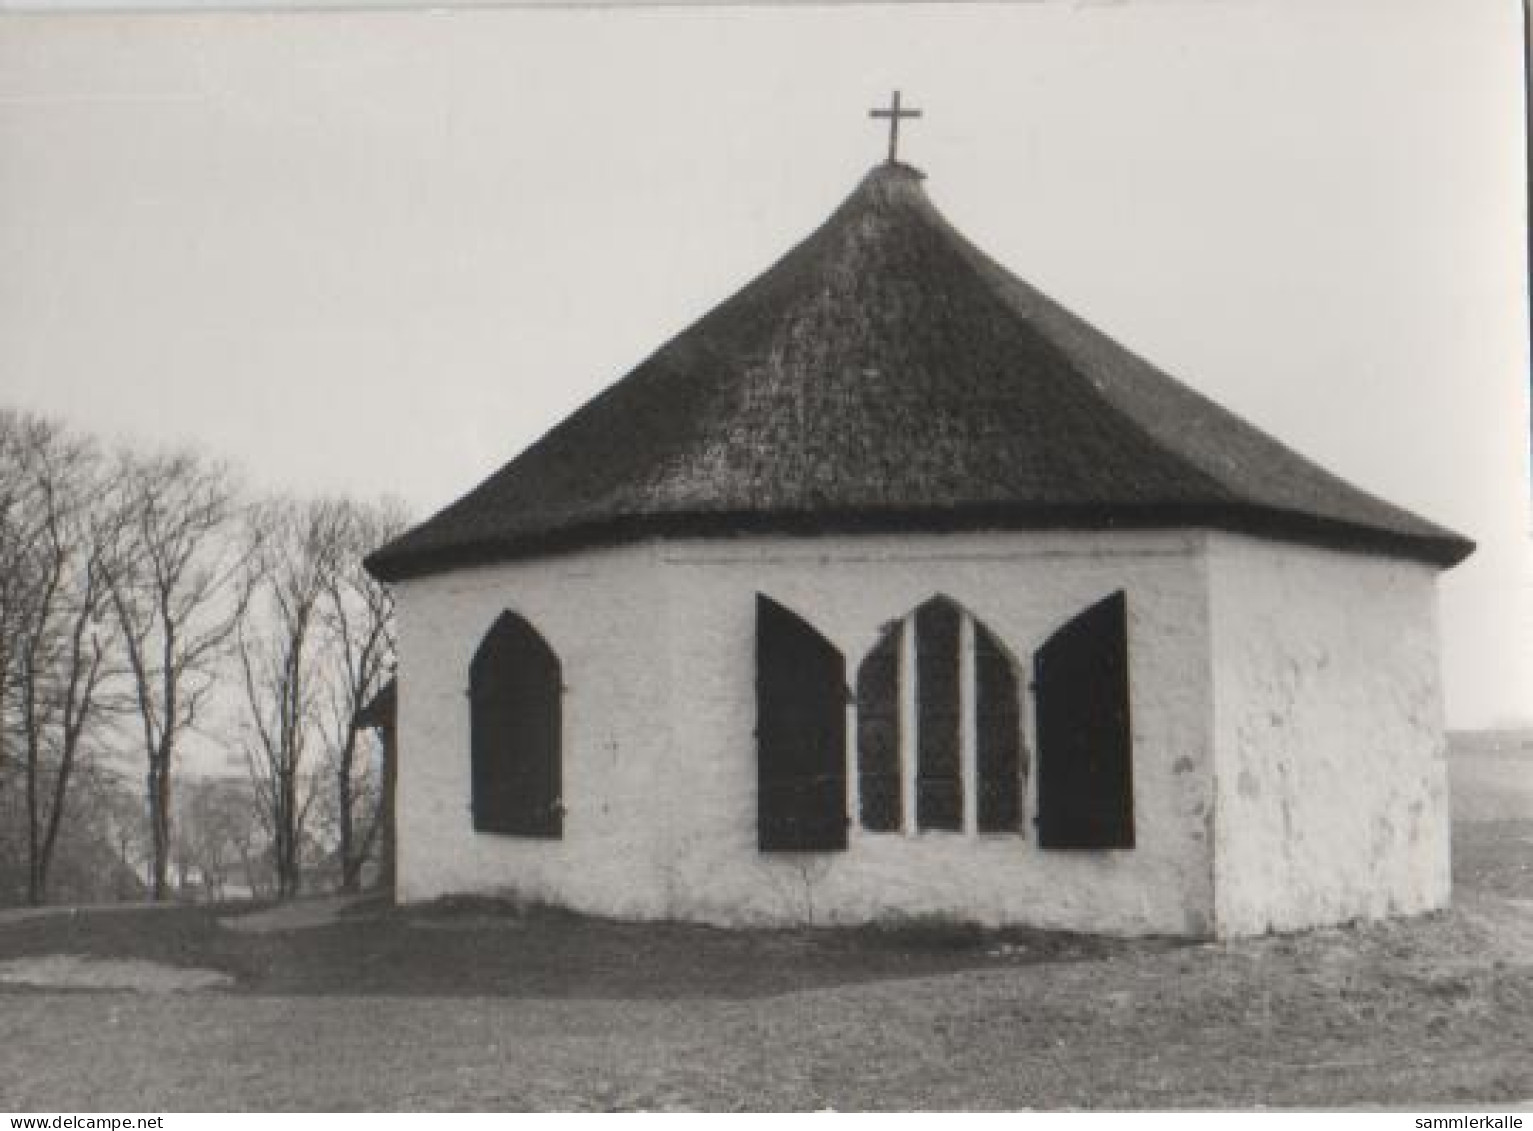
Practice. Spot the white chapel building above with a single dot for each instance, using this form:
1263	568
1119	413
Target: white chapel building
891	589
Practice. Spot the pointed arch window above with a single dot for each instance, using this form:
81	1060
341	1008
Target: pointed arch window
939	759
878	735
516	732
997	735
939	727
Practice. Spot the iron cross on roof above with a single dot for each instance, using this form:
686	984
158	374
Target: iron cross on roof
894	113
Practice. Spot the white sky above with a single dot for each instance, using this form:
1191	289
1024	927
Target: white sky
382	252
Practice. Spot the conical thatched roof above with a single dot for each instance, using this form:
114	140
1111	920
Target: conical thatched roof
886	375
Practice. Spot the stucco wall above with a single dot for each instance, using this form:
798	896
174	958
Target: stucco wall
657	644
606	618
1332	785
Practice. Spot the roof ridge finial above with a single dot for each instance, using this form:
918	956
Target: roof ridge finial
894	113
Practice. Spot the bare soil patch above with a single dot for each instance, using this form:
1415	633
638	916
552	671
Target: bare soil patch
69	971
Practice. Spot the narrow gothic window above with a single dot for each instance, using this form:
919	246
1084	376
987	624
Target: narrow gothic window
878	734
800	734
997	735
939	726
939	772
515	687
1085	765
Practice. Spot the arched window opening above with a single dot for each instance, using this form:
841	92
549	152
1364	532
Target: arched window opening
515	691
997	735
939	769
800	734
878	735
1085	762
939	727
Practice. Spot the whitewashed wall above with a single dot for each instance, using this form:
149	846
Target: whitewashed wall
1332	784
657	645
606	617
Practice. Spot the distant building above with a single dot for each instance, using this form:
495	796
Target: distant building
381	714
890	588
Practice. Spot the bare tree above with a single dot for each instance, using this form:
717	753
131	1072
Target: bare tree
216	834
63	531
120	811
359	621
177	600
282	644
21	526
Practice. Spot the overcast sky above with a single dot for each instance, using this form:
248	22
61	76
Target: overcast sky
382	252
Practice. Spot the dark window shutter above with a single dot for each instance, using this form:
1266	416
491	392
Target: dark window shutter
878	735
800	734
997	735
939	782
1085	771
515	687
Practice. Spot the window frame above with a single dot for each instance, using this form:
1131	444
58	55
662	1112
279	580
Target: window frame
496	748
903	632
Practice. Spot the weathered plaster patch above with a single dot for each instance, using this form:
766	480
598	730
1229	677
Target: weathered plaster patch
1328	728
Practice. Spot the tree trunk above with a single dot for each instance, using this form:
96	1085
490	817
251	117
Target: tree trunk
287	864
55	821
35	876
351	866
36	872
5	660
159	827
286	840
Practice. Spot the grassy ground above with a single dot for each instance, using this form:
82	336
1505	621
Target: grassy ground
482	949
473	1007
476	1006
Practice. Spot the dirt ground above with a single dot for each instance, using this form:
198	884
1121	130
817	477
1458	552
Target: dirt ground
475	1006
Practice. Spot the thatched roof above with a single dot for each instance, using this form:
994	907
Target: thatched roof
886	375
